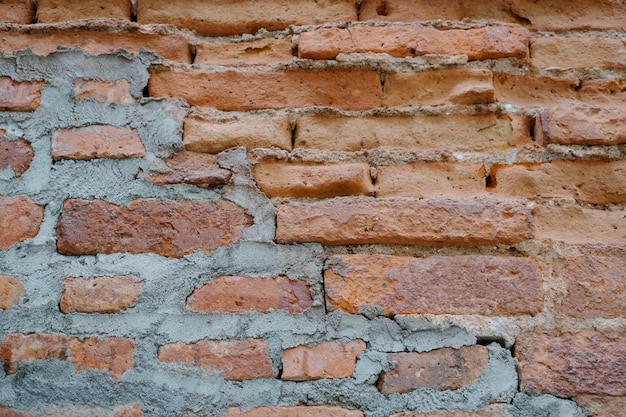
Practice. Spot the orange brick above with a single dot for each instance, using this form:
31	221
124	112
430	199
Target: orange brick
314	181
560	52
53	11
405	222
19	96
232	90
486	285
227	18
103	91
572	363
236	360
11	292
258	52
441	369
412	40
99	294
602	405
324	360
435	87
193	168
167	228
15	154
97	141
20	219
493	410
17	11
243	294
300	411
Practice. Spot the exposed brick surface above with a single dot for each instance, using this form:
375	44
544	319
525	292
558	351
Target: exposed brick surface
602	406
413	40
243	294
258	52
219	19
233	90
559	52
128	410
486	285
191	168
494	410
403	222
300	411
97	141
52	11
215	136
20	219
314	181
325	360
19	96
574	363
11	292
435	87
441	369
236	360
103	91
167	228
17	11
15	154
99	294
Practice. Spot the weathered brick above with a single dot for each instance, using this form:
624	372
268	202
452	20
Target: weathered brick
99	294
300	411
17	11
236	360
453	133
97	141
572	363
596	286
258	52
435	87
227	18
114	355
172	47
11	292
577	225
408	222
20	219
233	90
53	11
602	406
432	179
103	91
414	40
167	228
215	136
314	181
324	360
560	52
19	96
581	125
493	410
595	182
191	168
15	154
243	294
486	285
127	410
441	369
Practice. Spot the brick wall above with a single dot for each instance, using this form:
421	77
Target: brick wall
313	208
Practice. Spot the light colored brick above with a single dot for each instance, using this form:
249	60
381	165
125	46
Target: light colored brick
19	96
17	11
103	91
193	168
324	360
99	294
11	292
258	52
53	11
602	406
97	141
493	410
15	154
300	411
560	52
20	219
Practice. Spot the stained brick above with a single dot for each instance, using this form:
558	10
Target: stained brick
560	52
486	285
243	294
236	360
572	363
258	52
19	96
191	168
103	91
324	360
20	219
99	294
11	292
97	141
602	406
300	411
17	11
53	11
15	154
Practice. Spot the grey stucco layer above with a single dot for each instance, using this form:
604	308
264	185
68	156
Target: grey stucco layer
160	315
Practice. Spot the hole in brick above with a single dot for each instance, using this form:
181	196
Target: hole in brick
531	128
519	18
487	340
193	51
490	180
146	91
382	10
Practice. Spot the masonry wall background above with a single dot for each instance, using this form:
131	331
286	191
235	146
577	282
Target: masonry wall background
313	208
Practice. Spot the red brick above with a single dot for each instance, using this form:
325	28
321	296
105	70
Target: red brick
97	141
15	154
19	96
493	410
215	136
53	11
11	292
17	11
226	17
236	360
232	90
573	363
167	228
99	294
595	182
560	52
103	91
486	285
441	369
20	219
243	294
456	132
403	222
602	406
596	286
324	360
258	52
300	411
313	181
192	168
435	87
127	410
413	40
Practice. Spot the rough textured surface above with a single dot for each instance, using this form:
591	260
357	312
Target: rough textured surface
99	294
494	410
50	11
578	125
20	219
568	53
191	168
97	141
17	11
603	406
15	154
325	360
103	91
11	292
258	52
128	410
318	411
19	96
